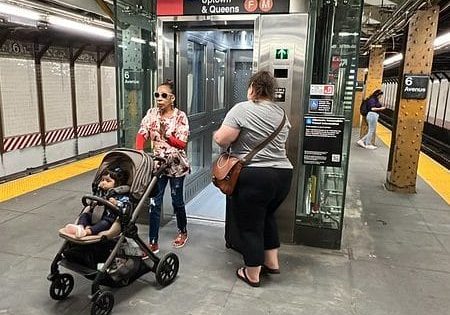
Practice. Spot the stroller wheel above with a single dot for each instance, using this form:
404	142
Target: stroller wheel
167	269
62	285
102	303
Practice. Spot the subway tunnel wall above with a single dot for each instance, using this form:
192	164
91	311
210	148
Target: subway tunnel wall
77	112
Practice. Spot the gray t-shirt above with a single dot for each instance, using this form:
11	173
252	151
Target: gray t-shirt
257	121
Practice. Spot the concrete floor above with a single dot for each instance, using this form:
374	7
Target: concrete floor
395	258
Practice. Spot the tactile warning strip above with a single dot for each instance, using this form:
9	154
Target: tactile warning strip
434	174
27	184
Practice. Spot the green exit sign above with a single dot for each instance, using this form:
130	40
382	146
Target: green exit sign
281	53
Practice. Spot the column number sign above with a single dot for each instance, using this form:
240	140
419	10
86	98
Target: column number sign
415	86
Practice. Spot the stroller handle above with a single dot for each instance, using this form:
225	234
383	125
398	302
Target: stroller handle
101	201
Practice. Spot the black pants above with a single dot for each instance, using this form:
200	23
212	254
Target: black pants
259	193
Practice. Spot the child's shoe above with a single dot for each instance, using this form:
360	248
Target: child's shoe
80	232
71	228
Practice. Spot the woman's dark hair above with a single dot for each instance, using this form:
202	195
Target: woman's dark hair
171	85
119	175
263	85
376	93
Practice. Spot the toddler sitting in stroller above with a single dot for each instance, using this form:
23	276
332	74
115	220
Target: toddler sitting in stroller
111	187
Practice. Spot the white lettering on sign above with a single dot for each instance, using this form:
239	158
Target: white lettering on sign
209	2
415	89
219	7
220	10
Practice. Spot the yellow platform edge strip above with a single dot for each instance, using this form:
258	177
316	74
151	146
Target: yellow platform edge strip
48	177
434	174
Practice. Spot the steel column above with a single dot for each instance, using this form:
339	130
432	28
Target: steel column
418	59
359	94
374	80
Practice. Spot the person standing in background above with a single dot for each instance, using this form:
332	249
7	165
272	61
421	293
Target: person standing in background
373	107
167	128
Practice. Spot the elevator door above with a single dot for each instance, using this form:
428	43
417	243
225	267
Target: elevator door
211	69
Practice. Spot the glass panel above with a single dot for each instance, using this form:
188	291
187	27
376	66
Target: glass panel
195	154
323	196
241	75
219	79
136	65
195	77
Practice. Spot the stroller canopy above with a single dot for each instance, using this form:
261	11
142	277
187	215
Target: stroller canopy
138	164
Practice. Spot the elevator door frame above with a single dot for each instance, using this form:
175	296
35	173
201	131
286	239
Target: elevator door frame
195	182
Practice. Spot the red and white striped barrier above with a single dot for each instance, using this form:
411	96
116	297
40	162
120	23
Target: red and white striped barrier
21	142
59	135
88	130
109	125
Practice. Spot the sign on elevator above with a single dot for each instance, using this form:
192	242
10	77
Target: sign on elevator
282	53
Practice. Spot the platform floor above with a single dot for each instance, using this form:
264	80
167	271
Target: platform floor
395	258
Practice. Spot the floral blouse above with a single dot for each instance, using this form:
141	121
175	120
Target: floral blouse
158	129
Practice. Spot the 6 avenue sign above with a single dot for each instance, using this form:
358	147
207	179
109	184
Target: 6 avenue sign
415	86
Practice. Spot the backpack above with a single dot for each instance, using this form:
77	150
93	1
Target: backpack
363	109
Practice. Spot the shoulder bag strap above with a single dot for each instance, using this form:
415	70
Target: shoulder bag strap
252	153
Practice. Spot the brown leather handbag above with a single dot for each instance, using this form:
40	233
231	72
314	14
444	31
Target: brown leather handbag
226	169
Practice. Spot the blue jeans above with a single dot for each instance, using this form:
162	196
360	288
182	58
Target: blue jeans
372	119
176	191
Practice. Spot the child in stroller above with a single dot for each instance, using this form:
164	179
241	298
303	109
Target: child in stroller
118	256
113	187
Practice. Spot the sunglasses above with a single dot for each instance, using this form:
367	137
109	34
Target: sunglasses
163	95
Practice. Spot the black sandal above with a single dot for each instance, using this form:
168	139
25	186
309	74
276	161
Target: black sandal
267	270
246	279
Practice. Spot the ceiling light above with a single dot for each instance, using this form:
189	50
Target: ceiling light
138	40
342	34
19	11
441	41
77	26
393	59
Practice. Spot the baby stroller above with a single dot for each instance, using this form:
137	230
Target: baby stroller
118	256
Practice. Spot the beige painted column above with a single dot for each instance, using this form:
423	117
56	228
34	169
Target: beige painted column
402	169
358	98
374	80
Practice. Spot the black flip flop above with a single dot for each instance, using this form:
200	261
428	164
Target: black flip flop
246	279
267	270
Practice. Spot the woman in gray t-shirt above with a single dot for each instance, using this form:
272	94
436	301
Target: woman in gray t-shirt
264	182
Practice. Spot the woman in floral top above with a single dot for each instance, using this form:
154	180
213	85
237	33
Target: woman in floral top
168	129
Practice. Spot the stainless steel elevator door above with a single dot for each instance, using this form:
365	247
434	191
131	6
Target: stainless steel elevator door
211	69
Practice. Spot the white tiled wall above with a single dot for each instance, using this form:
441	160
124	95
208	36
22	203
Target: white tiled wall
87	93
108	93
57	95
19	106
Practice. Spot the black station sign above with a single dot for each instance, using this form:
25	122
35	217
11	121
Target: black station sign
132	79
220	7
322	142
415	86
280	95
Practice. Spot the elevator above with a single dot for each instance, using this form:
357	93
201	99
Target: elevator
210	49
211	61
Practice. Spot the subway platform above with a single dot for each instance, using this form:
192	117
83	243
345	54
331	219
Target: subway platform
395	257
